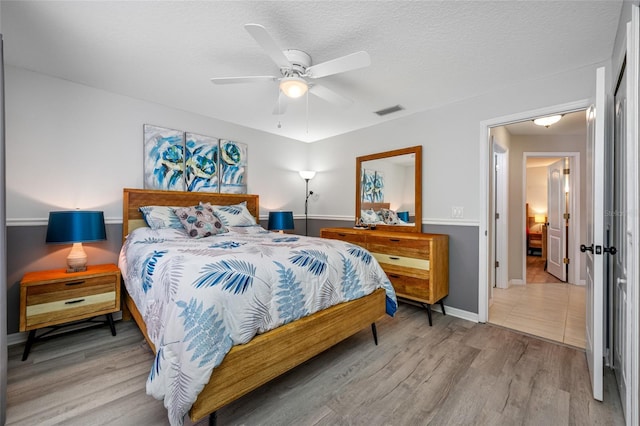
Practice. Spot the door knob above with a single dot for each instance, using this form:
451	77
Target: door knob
584	248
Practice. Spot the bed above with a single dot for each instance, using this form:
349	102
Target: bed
268	355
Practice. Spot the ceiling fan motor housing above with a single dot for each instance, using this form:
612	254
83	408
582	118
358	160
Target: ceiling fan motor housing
300	61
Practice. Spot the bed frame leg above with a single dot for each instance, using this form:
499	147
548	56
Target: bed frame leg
375	333
213	419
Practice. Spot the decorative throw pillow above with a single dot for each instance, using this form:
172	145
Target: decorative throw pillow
389	217
159	217
199	221
369	216
234	215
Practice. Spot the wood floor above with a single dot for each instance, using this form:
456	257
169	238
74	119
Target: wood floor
454	373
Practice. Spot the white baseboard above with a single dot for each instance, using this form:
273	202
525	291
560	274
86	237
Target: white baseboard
18	338
454	312
516	282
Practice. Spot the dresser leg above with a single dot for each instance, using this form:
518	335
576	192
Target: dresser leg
442	306
112	326
428	308
375	333
27	347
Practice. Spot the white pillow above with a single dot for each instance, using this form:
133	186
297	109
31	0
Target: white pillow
234	215
369	216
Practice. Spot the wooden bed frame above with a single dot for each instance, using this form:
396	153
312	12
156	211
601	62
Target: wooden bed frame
267	356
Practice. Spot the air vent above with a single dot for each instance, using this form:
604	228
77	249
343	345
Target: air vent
389	110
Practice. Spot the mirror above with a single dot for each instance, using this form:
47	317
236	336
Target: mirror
391	180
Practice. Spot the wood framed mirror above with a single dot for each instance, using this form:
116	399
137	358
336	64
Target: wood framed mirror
391	180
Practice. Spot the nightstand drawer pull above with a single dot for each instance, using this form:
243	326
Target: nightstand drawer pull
394	258
71	302
343	235
75	283
394	276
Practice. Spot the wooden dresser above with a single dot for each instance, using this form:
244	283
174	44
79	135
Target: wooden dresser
417	264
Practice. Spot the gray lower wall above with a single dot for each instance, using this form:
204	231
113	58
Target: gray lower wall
27	251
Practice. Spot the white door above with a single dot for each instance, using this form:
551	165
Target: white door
556	231
592	248
618	239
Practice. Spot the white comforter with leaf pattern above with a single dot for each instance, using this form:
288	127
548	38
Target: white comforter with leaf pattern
199	297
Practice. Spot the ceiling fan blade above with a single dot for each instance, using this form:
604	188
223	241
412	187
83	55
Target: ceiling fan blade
264	39
342	64
281	104
248	79
330	96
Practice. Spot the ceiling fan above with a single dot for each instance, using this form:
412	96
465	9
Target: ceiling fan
296	70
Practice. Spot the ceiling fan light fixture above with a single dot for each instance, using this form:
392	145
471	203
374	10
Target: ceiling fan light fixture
293	87
547	121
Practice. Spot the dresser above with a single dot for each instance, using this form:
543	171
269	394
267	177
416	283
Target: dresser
417	264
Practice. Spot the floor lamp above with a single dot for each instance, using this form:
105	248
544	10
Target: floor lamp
307	175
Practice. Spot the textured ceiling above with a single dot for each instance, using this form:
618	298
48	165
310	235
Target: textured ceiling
424	54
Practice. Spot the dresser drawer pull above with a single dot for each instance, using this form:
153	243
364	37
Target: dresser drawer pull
395	240
394	276
71	302
75	283
342	235
394	258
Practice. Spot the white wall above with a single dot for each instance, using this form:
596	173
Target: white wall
450	138
536	195
73	146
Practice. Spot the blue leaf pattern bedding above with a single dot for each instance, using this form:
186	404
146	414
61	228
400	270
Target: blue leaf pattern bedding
199	297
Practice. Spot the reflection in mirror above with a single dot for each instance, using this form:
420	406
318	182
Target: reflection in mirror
389	189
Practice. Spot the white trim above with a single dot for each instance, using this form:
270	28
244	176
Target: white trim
516	282
633	222
455	312
485	147
44	222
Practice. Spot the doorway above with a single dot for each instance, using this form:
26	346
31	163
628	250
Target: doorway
553	311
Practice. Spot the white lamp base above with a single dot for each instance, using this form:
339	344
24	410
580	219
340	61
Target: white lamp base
77	259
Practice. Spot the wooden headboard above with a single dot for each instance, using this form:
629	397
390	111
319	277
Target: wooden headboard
133	199
374	206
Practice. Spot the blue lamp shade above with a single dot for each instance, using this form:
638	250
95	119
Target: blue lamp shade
404	216
75	226
279	221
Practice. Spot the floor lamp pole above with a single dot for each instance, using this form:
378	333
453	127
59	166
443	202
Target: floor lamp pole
306	205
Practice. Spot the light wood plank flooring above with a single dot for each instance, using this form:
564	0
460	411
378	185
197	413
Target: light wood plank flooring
454	373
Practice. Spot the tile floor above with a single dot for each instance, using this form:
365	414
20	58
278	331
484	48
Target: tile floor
554	311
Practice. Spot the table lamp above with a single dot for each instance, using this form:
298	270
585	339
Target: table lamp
280	221
76	227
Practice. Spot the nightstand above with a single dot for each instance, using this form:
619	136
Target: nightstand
54	298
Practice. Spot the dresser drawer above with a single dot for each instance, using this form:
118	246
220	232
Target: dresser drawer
401	261
359	238
411	287
68	300
400	246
